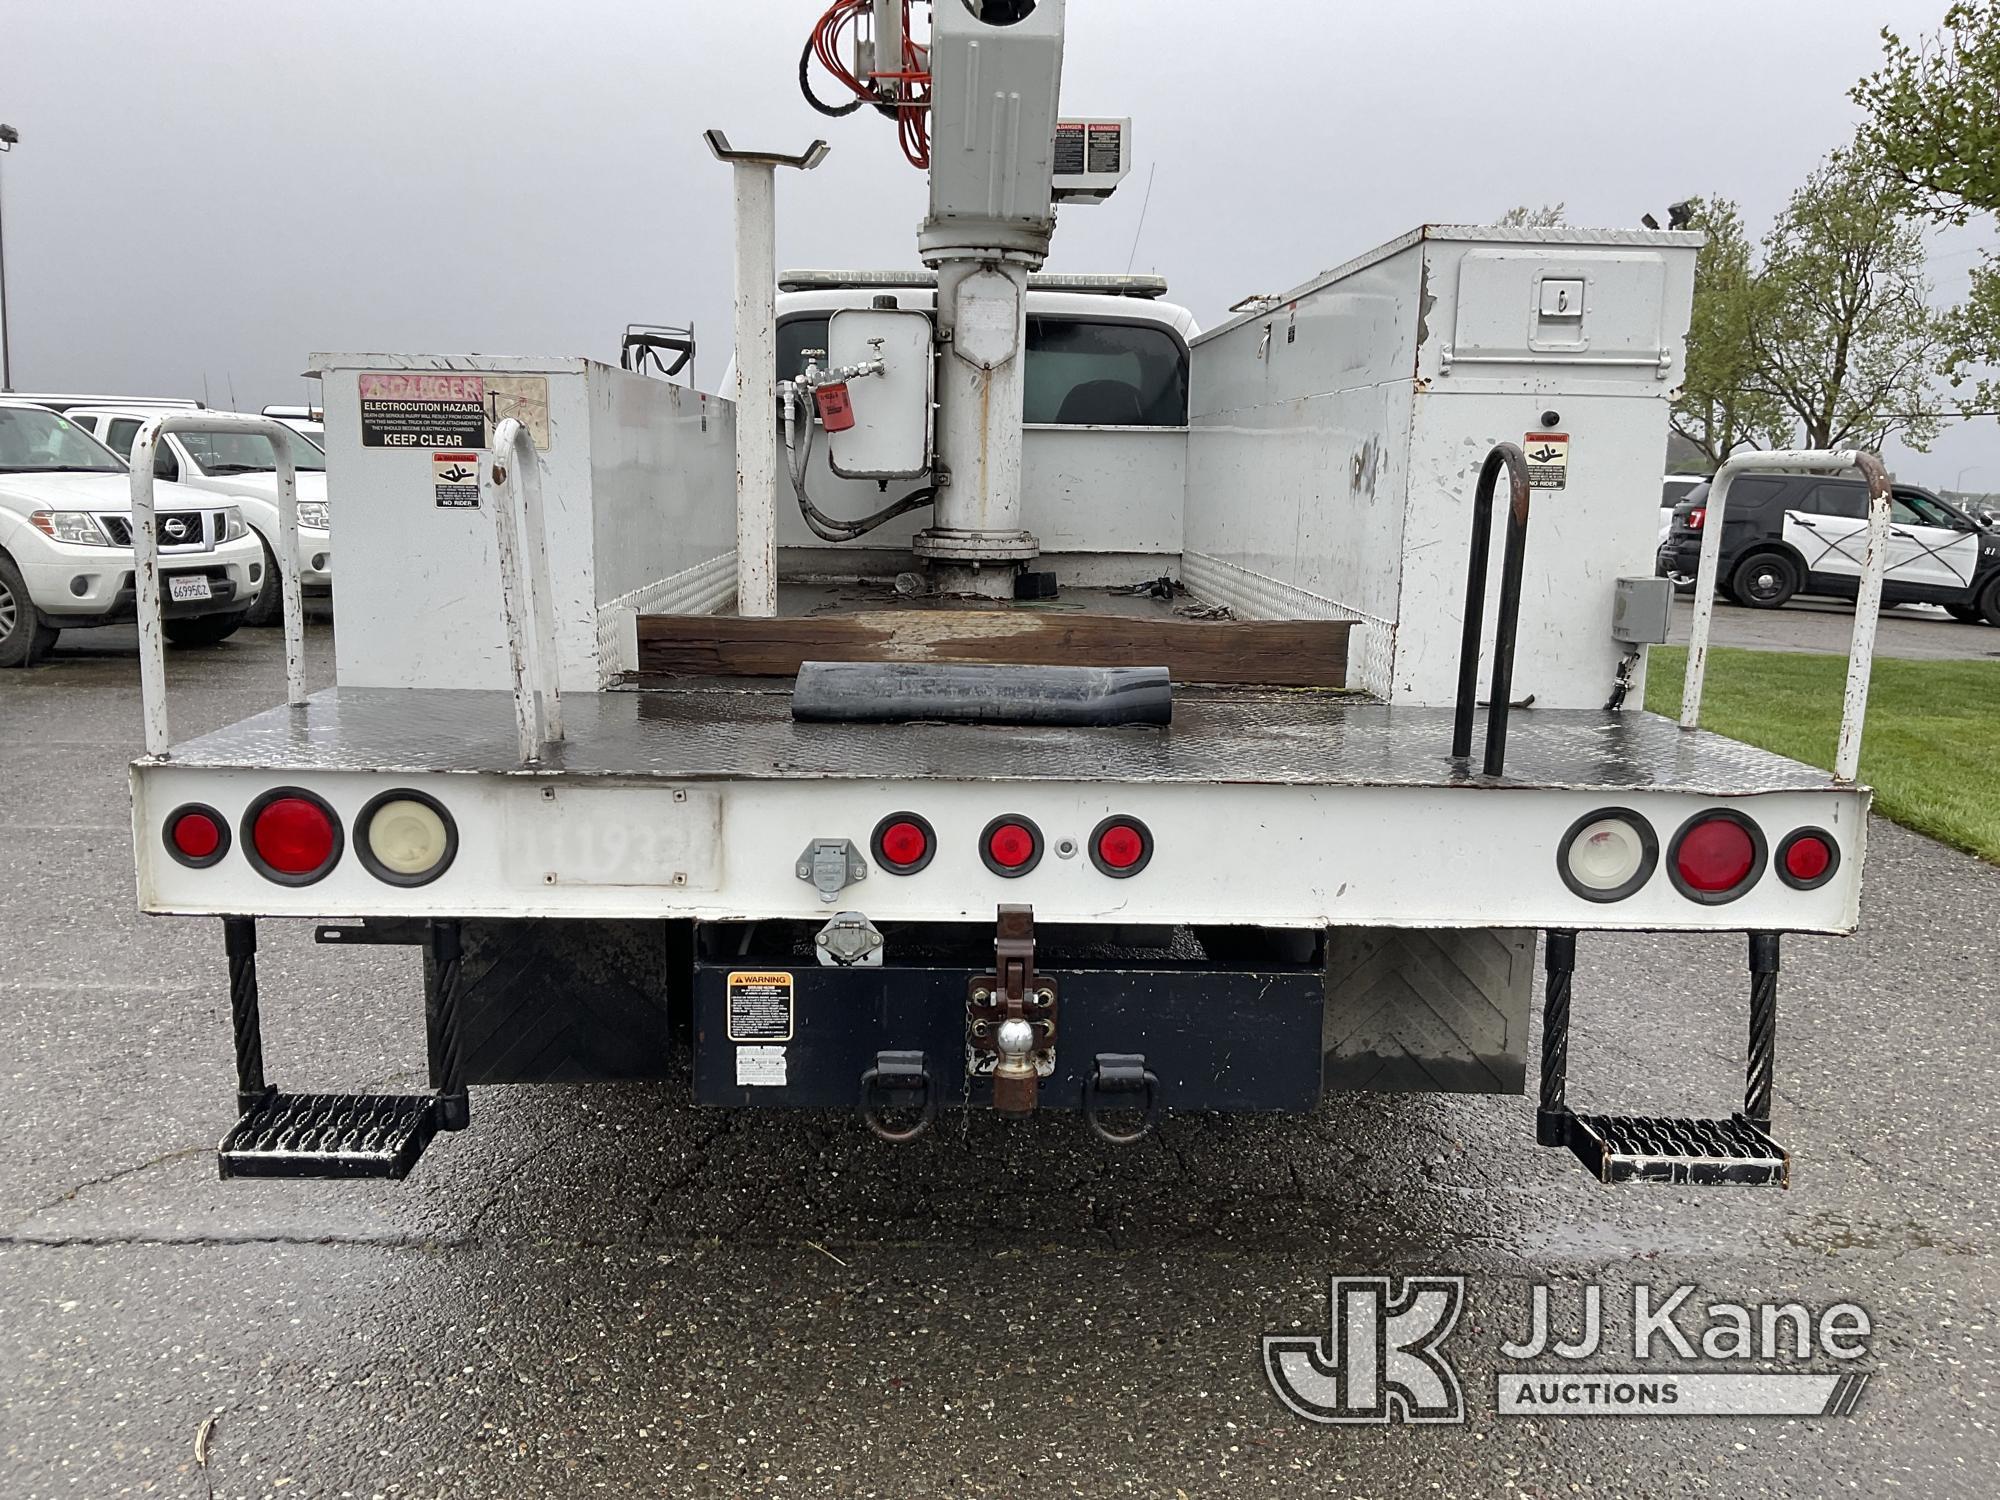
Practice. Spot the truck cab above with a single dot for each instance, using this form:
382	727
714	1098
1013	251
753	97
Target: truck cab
1105	409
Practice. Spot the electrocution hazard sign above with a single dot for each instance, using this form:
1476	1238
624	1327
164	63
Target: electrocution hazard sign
423	409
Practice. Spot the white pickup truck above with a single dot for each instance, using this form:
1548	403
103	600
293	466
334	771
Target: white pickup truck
66	542
243	467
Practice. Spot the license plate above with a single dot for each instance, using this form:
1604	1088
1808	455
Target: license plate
183	587
617	836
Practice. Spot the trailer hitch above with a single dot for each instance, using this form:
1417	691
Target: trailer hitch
1010	1016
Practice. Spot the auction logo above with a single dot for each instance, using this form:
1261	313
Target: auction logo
1379	1361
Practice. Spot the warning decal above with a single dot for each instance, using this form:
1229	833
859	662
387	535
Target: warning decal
760	1067
423	409
760	1007
455	480
1548	459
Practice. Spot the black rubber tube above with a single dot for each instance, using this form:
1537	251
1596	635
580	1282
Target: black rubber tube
854	692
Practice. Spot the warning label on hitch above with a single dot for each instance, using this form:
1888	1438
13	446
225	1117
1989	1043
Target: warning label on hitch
760	1006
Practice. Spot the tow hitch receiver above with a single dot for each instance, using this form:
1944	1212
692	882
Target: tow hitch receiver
337	1135
1635	1148
1010	1017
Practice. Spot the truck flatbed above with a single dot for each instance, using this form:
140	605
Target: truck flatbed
742	730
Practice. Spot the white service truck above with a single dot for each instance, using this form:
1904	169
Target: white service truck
1008	696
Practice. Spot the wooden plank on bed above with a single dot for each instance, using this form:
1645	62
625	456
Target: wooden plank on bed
1267	653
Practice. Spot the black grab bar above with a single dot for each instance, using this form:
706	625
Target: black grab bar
1509	457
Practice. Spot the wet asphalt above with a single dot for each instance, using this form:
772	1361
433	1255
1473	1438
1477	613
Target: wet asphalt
610	1292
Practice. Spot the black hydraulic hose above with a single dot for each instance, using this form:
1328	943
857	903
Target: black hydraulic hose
806	88
827	529
830	528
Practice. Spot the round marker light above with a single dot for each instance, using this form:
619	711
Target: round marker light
1120	846
1608	854
1716	857
1807	859
1011	845
197	836
904	843
406	838
292	836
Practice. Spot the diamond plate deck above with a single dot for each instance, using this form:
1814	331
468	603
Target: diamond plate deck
731	731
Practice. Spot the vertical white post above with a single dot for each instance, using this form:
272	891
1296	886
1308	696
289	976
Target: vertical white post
288	567
519	615
1861	650
756	389
146	579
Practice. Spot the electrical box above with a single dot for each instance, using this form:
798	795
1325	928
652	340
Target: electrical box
1091	158
1641	609
888	435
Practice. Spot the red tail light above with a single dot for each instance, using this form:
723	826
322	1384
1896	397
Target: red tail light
904	843
292	836
1696	517
197	836
1011	845
1121	846
1716	857
1808	858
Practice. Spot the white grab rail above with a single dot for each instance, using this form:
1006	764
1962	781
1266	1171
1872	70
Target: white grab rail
1867	604
525	594
146	557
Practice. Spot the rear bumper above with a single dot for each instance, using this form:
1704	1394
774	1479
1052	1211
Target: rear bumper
542	845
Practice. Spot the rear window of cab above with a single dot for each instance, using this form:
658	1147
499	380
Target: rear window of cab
1081	372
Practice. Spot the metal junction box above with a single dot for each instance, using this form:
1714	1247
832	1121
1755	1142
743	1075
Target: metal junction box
891	435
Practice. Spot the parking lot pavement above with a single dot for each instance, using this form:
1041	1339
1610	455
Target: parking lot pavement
605	1291
1918	632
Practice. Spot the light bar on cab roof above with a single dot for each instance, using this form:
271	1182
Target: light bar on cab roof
1038	281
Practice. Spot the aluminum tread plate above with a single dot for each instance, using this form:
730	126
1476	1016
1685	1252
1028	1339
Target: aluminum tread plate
720	732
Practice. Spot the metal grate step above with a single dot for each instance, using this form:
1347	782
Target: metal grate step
1636	1148
330	1135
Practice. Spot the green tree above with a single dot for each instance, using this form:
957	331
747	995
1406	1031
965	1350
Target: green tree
1521	216
1722	405
1933	122
1934	113
1843	335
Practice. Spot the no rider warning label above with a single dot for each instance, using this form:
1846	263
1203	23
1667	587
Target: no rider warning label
455	480
1548	459
760	1006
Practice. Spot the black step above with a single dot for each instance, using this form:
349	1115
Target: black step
330	1135
1636	1148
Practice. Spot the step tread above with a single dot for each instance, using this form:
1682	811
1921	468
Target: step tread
1629	1148
330	1135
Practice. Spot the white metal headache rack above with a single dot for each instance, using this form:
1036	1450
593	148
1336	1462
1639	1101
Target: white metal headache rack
512	481
1867	603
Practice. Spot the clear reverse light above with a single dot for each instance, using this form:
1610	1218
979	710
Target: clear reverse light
407	836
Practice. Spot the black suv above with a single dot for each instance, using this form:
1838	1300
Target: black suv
1787	534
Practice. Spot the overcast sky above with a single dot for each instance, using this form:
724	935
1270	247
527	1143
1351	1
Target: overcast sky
218	187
